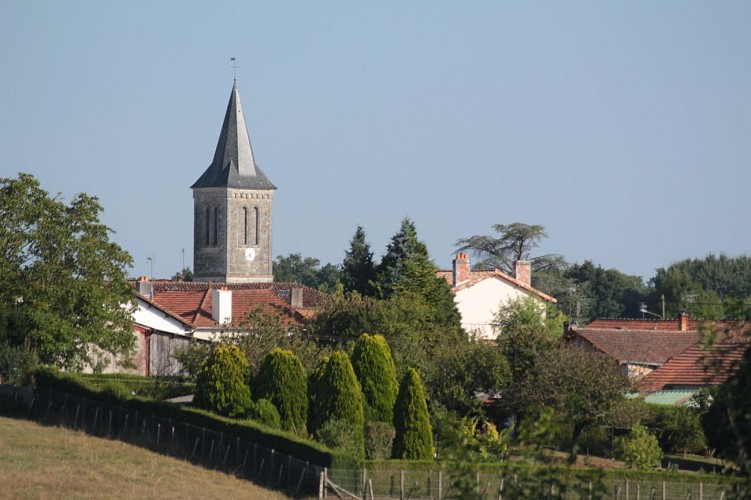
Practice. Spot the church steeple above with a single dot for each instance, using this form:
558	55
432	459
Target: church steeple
232	215
234	165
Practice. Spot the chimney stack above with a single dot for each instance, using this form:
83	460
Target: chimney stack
683	322
221	306
296	301
461	269
143	287
523	272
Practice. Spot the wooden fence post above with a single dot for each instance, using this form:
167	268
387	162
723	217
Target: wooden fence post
401	484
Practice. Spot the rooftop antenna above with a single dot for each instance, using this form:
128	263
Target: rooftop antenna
234	67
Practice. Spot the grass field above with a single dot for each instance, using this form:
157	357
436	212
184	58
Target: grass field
51	462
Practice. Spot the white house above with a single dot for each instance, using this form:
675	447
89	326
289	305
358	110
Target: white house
479	294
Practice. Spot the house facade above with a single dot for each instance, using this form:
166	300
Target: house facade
480	294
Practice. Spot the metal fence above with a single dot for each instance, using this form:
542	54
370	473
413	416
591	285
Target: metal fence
198	445
272	469
437	484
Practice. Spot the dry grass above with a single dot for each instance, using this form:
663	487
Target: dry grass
52	462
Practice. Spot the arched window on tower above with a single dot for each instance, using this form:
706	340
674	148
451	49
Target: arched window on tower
256	224
207	227
245	226
215	241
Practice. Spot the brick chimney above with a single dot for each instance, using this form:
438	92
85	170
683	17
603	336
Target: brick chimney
143	287
461	269
523	272
221	306
683	322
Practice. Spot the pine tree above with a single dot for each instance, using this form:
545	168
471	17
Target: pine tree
407	268
375	370
358	270
414	436
337	398
221	385
283	381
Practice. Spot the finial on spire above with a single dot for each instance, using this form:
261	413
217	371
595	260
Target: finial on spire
234	68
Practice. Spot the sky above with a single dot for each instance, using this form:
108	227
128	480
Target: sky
624	128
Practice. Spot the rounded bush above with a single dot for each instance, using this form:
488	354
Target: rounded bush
265	412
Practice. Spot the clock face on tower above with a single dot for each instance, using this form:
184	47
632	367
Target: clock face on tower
250	254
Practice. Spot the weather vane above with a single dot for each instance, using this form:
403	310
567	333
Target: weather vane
234	67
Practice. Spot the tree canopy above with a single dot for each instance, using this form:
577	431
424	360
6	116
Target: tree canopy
307	271
358	269
64	292
516	241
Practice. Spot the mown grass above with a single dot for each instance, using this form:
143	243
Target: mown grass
52	462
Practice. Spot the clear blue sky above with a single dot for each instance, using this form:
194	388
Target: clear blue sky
622	127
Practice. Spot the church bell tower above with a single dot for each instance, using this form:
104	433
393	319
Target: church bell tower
232	203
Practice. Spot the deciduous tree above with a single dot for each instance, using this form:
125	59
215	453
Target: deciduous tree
64	293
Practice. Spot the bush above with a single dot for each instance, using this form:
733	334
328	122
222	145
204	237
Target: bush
414	435
679	429
375	370
221	384
379	438
639	448
16	365
282	380
265	412
336	395
341	435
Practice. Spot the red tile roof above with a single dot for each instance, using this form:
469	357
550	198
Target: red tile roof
652	347
700	366
192	301
641	324
478	276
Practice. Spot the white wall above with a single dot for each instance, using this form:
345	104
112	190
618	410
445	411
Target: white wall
479	304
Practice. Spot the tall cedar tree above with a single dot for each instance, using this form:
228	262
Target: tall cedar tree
283	381
221	385
407	268
375	370
336	395
414	436
64	292
358	270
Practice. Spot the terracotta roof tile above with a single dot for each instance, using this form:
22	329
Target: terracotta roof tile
698	366
636	346
192	301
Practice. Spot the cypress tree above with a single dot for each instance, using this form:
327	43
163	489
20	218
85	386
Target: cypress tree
358	270
221	384
375	370
337	397
282	380
414	436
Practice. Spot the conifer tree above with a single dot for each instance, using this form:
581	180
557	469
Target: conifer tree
221	384
337	398
414	436
375	370
358	270
282	380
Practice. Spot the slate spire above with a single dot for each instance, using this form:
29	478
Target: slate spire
234	165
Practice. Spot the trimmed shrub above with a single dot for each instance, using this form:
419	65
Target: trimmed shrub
282	380
221	384
375	370
414	436
379	438
265	412
336	396
341	435
639	448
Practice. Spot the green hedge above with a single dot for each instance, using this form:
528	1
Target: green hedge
280	441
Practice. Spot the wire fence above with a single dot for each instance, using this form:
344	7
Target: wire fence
440	484
267	467
198	445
